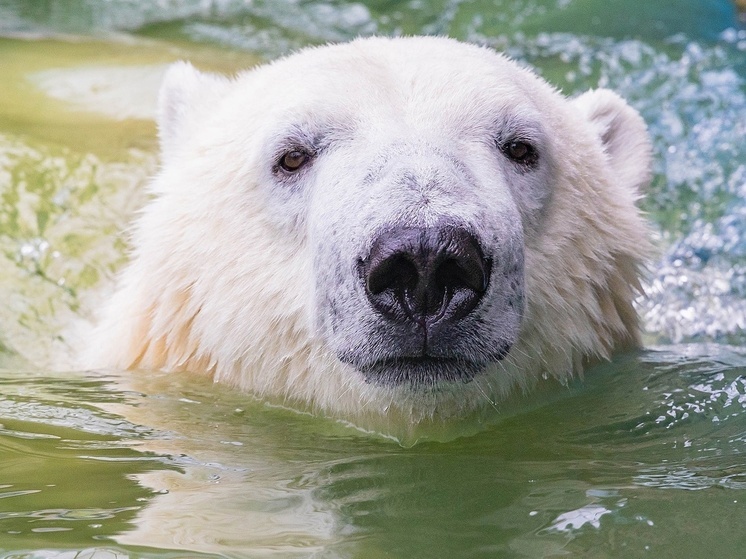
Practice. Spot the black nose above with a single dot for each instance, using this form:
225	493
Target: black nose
425	275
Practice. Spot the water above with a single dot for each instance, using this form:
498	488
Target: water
644	458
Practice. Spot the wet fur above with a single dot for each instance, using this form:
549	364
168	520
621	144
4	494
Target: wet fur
241	275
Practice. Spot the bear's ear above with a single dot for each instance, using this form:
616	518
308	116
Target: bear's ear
624	136
185	91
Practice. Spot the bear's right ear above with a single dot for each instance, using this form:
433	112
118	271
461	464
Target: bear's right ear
185	91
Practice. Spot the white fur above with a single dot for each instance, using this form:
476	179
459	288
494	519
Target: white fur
222	276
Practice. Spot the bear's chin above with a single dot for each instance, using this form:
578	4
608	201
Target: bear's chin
423	372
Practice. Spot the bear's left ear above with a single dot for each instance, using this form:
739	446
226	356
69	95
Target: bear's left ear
185	93
624	136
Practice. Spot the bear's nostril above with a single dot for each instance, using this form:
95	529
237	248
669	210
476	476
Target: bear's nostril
464	273
425	275
397	272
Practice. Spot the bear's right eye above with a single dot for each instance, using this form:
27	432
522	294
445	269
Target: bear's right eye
293	160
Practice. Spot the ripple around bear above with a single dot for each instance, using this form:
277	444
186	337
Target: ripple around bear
407	227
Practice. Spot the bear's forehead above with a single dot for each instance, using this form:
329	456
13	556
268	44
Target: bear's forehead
430	79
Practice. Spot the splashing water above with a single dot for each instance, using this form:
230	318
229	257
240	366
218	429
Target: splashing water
694	102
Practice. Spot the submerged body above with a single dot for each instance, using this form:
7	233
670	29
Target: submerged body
407	228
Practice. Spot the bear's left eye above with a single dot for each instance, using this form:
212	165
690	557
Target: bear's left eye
293	160
521	152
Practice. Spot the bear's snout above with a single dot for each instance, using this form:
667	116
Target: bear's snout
429	277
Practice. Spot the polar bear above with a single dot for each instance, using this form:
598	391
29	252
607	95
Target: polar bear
407	227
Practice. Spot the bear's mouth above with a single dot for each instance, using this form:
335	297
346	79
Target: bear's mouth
425	371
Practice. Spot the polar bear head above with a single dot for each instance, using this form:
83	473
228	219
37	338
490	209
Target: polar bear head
406	226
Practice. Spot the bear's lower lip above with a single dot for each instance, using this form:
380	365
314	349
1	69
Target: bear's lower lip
420	371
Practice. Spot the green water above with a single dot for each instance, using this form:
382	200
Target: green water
644	458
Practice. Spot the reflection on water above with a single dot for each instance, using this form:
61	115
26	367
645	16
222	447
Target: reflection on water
646	449
217	473
119	93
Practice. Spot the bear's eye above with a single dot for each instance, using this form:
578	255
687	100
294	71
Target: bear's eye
293	160
521	152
